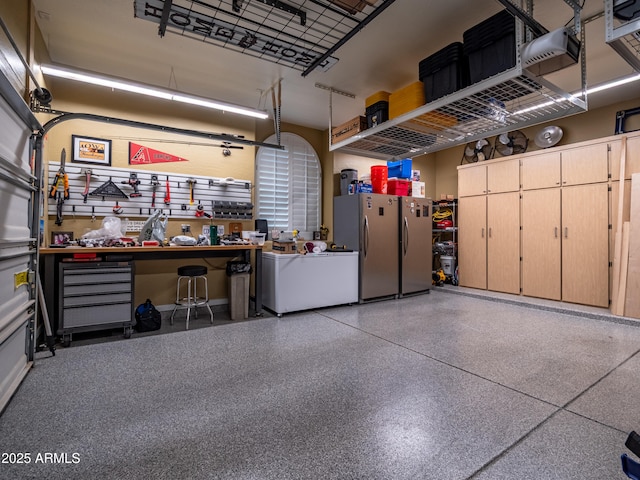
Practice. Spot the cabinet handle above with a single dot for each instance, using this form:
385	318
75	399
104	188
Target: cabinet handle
489	232
555	232
482	234
566	232
365	236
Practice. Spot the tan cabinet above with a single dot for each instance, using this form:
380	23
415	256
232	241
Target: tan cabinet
494	177
585	245
472	241
503	242
572	166
472	181
503	176
565	244
586	164
539	223
490	240
541	230
541	171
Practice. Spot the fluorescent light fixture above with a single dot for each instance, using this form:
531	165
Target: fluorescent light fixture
614	84
149	91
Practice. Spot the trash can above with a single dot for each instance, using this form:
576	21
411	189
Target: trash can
239	274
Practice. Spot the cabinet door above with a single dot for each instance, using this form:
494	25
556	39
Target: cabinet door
541	259
541	171
503	242
472	181
585	164
472	242
503	176
585	252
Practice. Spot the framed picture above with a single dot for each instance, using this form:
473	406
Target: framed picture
91	150
61	238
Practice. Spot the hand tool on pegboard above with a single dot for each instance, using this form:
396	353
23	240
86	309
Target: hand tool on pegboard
191	183
200	211
60	187
87	172
133	181
154	186
167	193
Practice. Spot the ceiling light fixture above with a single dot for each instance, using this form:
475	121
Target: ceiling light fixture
149	91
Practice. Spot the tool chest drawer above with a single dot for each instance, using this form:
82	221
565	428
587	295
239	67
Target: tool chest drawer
95	296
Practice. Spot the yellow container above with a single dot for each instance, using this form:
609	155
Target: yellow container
380	96
406	99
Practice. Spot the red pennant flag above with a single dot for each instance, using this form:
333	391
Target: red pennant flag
139	155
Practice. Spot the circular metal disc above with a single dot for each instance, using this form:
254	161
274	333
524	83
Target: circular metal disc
548	137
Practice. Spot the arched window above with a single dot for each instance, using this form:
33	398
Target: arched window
288	184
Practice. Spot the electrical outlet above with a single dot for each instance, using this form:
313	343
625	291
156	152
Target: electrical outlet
186	228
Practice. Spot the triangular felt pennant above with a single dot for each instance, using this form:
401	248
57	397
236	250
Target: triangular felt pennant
139	155
108	189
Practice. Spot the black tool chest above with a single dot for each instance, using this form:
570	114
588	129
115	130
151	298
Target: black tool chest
95	296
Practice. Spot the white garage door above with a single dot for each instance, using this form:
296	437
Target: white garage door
17	240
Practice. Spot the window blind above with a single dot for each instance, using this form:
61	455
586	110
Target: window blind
288	184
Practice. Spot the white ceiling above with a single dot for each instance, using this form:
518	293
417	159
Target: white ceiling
104	36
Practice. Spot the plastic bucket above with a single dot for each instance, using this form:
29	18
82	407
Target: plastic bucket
379	178
446	263
347	176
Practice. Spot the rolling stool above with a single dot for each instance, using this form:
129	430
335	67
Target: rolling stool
191	273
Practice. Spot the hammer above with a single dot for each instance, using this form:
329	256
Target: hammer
191	183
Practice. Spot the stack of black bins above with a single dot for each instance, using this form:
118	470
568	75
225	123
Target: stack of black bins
444	72
491	46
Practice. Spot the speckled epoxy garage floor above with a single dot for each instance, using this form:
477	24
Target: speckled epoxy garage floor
439	386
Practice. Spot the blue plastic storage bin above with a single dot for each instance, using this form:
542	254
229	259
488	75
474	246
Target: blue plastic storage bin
399	169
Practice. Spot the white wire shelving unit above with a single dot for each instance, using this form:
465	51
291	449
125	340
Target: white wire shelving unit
623	37
513	99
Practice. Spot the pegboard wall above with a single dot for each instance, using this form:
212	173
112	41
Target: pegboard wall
222	198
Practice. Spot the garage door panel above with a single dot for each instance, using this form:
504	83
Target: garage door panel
14	362
14	139
15	210
17	251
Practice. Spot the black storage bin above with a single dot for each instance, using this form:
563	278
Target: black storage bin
491	46
444	72
377	113
626	11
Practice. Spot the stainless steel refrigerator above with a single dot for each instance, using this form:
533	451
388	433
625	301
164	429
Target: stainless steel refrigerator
415	247
368	223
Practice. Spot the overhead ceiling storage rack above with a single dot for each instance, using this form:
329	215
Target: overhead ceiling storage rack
623	36
513	99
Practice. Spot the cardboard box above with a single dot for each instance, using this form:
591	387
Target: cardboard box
284	247
417	189
348	129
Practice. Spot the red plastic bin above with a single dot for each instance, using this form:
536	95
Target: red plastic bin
396	186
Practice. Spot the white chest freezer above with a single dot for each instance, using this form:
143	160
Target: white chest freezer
302	282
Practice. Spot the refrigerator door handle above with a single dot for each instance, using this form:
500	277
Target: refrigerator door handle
405	237
365	236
